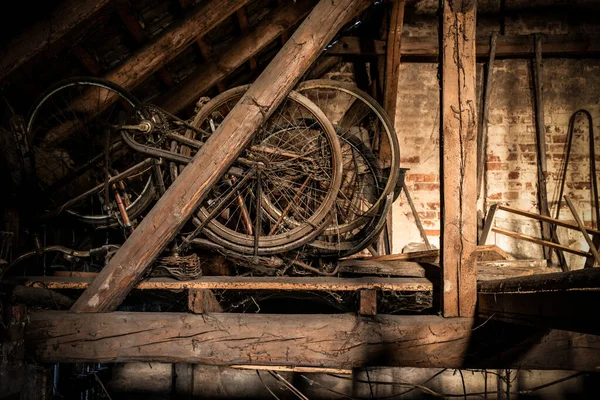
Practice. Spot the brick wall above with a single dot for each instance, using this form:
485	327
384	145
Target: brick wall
511	176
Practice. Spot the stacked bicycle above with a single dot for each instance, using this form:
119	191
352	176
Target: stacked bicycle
309	185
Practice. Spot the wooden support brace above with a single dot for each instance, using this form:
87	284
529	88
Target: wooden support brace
368	302
180	201
459	159
221	65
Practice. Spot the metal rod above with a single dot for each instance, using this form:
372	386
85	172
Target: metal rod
416	216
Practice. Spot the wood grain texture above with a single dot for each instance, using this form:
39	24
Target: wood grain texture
172	41
330	341
220	66
459	162
182	198
374	267
66	17
250	283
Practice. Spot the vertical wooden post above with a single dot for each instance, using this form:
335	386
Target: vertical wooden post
182	198
368	302
459	158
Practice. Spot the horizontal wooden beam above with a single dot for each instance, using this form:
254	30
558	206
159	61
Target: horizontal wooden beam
250	283
507	46
67	16
220	66
564	300
331	341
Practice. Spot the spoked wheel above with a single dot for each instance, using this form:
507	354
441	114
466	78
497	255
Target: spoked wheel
278	193
82	165
363	128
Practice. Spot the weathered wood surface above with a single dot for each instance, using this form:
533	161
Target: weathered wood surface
67	16
423	255
250	283
39	296
564	300
248	46
459	160
491	270
392	71
172	41
374	267
331	341
506	46
180	201
368	302
490	252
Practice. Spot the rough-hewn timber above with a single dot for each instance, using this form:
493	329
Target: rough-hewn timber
181	199
332	341
459	159
250	44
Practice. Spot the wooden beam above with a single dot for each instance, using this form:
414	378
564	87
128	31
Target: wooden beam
330	341
563	300
415	284
127	16
172	41
242	19
374	267
459	159
515	46
66	16
210	73
180	201
368	302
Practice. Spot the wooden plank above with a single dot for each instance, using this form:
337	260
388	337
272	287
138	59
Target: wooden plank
341	341
127	16
492	270
514	46
564	300
179	202
423	255
374	267
459	159
551	220
368	302
539	241
172	41
249	45
64	18
249	283
242	19
490	252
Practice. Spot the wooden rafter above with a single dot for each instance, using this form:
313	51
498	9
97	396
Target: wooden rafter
242	19
172	41
66	17
458	163
127	16
176	206
220	66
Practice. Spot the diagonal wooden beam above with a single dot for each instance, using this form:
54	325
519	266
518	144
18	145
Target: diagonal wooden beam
459	159
219	67
172	41
182	198
127	16
66	17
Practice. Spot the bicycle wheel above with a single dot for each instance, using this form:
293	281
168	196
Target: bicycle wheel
70	126
362	127
279	191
